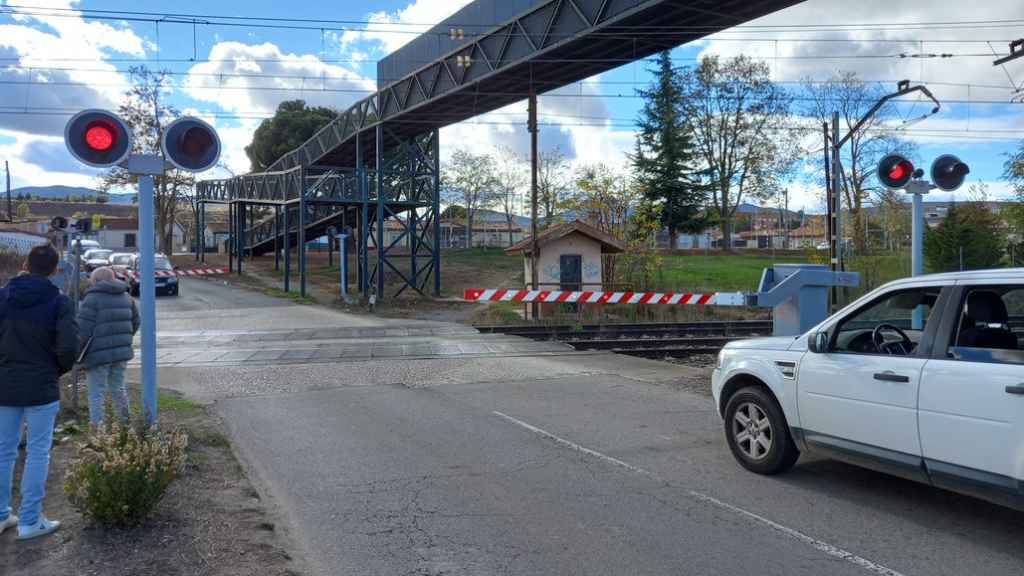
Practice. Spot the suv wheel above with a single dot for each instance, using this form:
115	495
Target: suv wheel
757	432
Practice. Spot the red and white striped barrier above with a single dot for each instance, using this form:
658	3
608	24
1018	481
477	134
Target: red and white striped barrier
192	272
587	297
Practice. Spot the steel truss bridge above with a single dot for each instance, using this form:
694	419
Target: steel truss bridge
379	160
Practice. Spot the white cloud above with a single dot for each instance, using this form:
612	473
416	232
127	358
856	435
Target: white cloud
795	54
57	64
392	30
42	161
254	79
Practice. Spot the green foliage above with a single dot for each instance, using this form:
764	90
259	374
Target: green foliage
969	229
665	154
1014	173
23	211
123	471
293	123
734	109
293	296
470	180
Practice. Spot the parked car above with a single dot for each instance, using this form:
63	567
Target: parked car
922	378
86	246
164	284
822	246
121	262
96	258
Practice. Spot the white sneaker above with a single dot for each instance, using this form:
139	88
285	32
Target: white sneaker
40	528
11	522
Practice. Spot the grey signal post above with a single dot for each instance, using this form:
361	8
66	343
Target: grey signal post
146	166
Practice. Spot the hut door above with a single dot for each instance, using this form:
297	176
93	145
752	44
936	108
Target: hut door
571	271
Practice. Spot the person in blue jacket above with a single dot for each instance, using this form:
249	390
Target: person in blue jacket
38	344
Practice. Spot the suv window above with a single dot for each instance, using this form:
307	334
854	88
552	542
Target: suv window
894	313
991	326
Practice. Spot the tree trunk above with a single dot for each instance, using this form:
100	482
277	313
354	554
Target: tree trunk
508	220
860	237
469	229
673	239
727	234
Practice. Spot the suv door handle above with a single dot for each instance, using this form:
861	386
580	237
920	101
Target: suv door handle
892	377
1018	389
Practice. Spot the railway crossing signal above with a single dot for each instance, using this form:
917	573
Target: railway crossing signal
101	139
948	172
895	171
98	138
191	144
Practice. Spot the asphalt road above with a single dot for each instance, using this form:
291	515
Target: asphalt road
574	464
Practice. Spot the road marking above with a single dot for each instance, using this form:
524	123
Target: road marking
574	446
819	545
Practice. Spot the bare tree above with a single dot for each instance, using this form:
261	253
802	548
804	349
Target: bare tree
554	181
469	180
738	117
146	114
852	98
607	198
511	179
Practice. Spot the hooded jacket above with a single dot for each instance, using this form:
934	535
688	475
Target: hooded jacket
38	341
108	315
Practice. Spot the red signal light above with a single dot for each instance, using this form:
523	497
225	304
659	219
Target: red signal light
100	136
901	170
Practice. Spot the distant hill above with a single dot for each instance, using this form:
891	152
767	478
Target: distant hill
62	192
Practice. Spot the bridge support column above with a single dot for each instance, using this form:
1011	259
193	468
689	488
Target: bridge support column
381	251
287	248
230	246
437	215
302	241
408	180
277	235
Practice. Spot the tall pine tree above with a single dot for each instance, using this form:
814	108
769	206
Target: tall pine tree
664	154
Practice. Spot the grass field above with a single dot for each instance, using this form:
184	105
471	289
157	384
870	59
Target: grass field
742	272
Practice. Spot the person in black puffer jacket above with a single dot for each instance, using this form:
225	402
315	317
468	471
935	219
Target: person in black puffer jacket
38	343
108	320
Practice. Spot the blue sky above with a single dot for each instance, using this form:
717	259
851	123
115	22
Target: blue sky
52	65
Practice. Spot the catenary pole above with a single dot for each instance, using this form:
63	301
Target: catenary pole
534	245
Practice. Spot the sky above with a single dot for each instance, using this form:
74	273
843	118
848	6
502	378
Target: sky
58	61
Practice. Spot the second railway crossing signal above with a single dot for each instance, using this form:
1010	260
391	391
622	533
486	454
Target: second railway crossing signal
948	172
191	144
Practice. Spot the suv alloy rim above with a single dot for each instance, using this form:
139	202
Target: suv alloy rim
752	431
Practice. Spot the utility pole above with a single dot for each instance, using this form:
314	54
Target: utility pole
837	195
534	245
834	164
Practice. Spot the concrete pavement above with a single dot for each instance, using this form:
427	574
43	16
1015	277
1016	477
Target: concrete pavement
558	463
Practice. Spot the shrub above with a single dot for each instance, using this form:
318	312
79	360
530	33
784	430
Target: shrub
122	471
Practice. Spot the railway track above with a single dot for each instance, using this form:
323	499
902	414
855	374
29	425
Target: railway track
642	330
675	340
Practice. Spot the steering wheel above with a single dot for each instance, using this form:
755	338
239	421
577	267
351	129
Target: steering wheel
902	347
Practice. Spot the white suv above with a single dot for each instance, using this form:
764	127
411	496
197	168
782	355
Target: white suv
922	378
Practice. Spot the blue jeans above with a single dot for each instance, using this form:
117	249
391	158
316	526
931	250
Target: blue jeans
37	461
100	379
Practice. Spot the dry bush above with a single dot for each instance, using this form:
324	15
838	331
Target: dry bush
123	470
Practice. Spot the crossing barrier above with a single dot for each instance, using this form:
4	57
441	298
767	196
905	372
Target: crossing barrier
596	297
169	273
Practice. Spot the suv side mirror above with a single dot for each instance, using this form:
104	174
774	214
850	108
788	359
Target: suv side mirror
818	342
